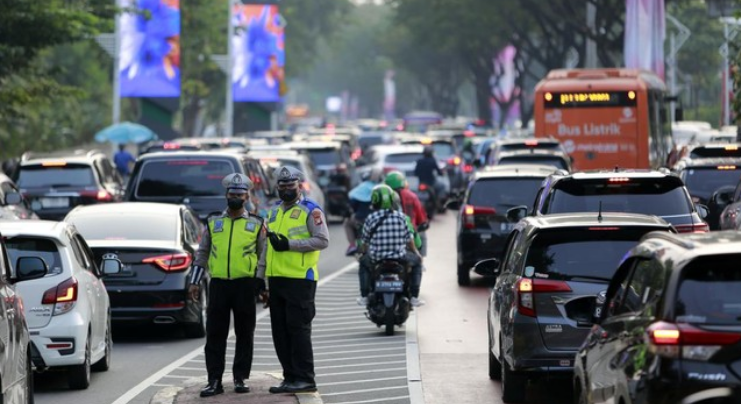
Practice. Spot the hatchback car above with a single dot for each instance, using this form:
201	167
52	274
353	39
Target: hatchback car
670	328
482	222
638	191
68	310
56	183
705	177
542	305
156	242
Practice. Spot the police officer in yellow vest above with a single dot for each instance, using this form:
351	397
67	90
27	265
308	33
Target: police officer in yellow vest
297	231
230	250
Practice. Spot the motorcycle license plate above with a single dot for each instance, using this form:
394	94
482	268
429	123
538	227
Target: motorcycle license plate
389	286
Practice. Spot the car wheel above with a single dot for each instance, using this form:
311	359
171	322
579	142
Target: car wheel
495	367
105	362
513	383
464	275
78	377
198	329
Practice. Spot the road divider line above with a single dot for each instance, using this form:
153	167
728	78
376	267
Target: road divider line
414	374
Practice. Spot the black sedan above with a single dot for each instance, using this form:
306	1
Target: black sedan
156	242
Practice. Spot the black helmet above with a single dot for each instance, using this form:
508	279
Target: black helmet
428	151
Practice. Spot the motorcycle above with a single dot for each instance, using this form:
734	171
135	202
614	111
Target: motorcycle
388	302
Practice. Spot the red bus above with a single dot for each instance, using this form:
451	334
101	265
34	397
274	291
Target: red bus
605	118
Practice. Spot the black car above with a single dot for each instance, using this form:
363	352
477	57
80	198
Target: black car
647	192
482	222
13	206
704	177
56	183
156	242
551	274
670	330
194	179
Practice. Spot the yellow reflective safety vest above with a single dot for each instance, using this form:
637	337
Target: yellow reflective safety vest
292	223
233	246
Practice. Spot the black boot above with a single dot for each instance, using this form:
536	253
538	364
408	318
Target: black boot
213	388
240	386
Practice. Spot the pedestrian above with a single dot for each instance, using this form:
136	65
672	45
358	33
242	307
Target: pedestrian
297	231
230	249
123	160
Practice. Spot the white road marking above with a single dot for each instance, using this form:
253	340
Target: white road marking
375	400
353	382
363	391
386	370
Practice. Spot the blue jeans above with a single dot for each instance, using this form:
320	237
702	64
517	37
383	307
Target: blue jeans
415	276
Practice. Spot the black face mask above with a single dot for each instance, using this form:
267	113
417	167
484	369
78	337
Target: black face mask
235	203
288	195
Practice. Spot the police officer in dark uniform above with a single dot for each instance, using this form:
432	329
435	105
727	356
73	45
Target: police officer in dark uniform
297	231
230	250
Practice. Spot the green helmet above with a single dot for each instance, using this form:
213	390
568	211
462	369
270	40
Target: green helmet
396	201
396	180
382	197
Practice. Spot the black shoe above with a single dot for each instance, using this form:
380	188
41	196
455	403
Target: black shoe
300	387
281	388
213	388
240	386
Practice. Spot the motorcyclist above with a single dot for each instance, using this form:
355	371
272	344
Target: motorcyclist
427	169
410	204
360	205
386	237
416	275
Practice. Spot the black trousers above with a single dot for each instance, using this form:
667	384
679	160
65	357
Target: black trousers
226	297
291	311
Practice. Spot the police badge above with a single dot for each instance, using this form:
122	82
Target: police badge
218	226
250	226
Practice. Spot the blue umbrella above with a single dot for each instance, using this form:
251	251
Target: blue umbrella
125	132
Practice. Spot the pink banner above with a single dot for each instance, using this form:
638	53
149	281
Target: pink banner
644	35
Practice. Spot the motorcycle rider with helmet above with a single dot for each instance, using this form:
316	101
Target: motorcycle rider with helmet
427	169
360	205
410	204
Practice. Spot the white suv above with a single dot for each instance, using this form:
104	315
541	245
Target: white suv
67	311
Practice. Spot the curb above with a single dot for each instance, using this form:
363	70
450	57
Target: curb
414	373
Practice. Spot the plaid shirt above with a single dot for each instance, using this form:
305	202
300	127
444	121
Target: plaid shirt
391	237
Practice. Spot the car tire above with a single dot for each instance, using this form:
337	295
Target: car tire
198	329
78	377
495	367
513	383
105	362
464	275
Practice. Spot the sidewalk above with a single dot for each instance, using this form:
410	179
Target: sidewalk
188	393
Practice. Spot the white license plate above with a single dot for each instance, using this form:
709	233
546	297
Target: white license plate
485	236
389	286
55	202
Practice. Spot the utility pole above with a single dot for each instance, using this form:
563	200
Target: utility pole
590	61
112	45
676	40
225	62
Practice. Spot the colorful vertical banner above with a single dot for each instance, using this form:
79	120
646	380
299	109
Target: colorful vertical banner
258	53
505	102
644	35
149	58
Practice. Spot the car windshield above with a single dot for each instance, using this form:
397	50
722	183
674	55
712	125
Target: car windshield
402	158
563	254
703	181
43	248
324	157
504	193
545	160
650	197
710	291
126	227
180	178
68	175
443	150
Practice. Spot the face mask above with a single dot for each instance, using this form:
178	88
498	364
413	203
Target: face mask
235	203
288	195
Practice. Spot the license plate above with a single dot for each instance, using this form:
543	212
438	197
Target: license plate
389	286
55	202
485	237
323	181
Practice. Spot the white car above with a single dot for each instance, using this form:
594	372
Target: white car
68	310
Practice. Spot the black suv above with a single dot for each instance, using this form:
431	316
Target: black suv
194	179
647	192
542	306
704	177
56	183
671	325
482	222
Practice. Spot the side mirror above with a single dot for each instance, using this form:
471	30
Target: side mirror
28	268
13	198
702	210
516	214
111	266
455	204
489	266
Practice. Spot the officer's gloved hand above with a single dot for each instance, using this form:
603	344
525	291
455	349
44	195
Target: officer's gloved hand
279	242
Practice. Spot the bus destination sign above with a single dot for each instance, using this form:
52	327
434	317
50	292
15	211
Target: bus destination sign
590	99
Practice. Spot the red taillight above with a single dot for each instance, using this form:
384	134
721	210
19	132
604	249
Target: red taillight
102	195
531	143
65	292
675	340
692	228
467	168
470	212
423	187
618	179
170	262
454	161
527	287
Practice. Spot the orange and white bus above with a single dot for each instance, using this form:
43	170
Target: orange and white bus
605	118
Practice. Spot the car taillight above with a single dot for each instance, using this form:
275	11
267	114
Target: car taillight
423	187
467	168
356	154
692	228
63	296
102	195
683	340
454	161
526	288
170	262
470	212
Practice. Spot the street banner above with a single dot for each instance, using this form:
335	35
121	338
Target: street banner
258	53
149	58
644	35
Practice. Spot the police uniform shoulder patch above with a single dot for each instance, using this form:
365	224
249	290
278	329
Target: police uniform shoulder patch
218	226
295	213
250	226
317	215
